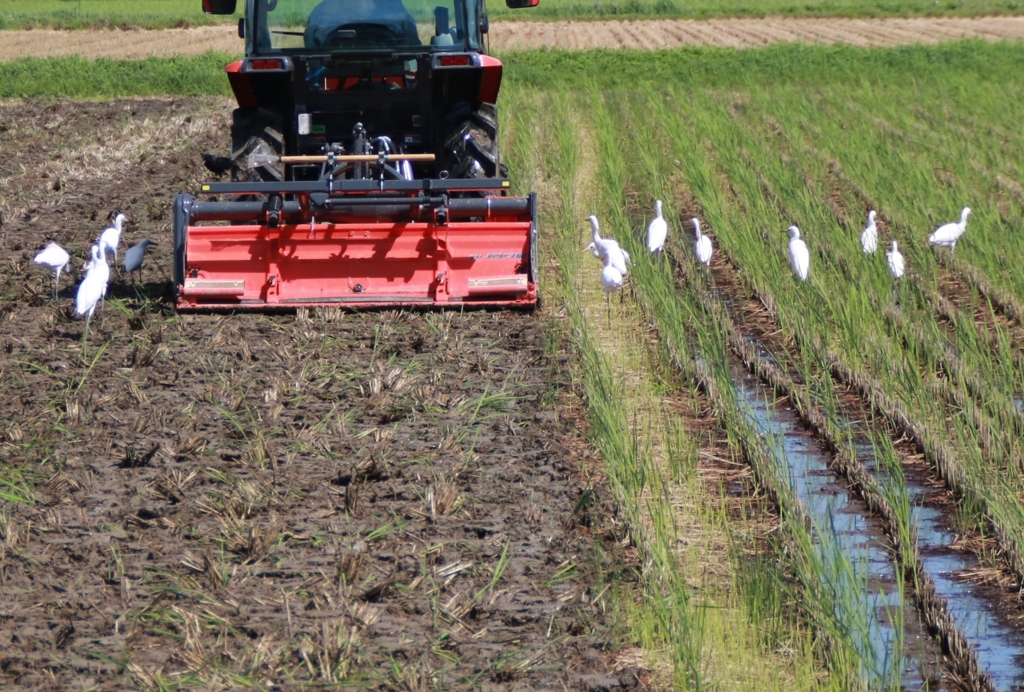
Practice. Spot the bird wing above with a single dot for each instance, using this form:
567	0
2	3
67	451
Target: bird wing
869	239
945	233
617	259
801	258
895	263
49	256
611	278
704	249
87	294
103	276
605	245
657	232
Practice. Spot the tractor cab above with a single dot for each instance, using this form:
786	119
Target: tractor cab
358	26
323	75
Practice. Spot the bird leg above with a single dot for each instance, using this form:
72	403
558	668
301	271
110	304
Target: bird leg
140	287
85	333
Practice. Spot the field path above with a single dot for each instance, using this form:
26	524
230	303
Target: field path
650	34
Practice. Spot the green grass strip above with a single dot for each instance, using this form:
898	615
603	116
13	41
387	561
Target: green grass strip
160	14
707	9
717	68
98	14
100	79
784	63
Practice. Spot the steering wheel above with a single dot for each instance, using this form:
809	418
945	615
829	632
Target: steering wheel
364	35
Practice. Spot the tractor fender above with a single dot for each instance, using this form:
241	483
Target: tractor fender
490	79
240	85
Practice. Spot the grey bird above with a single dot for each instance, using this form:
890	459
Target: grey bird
133	258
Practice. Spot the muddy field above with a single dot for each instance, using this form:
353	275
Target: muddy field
650	34
387	499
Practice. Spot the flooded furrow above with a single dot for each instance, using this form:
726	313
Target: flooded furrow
850	539
960	633
998	645
972	610
984	650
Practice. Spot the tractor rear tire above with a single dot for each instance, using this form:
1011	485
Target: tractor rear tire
252	129
471	143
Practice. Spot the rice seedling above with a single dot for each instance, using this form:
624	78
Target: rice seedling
768	191
385	530
499	570
670	619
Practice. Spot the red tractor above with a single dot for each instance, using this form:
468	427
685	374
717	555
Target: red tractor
364	165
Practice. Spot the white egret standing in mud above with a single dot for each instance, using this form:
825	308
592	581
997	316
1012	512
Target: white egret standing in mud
895	261
93	287
947	234
657	231
869	238
110	238
702	245
607	249
799	257
56	259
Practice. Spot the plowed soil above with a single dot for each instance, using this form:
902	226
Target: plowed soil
387	499
520	35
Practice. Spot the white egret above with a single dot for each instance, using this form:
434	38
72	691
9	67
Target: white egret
110	238
702	246
947	234
657	231
56	259
895	260
799	257
869	238
607	249
617	258
612	280
93	287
